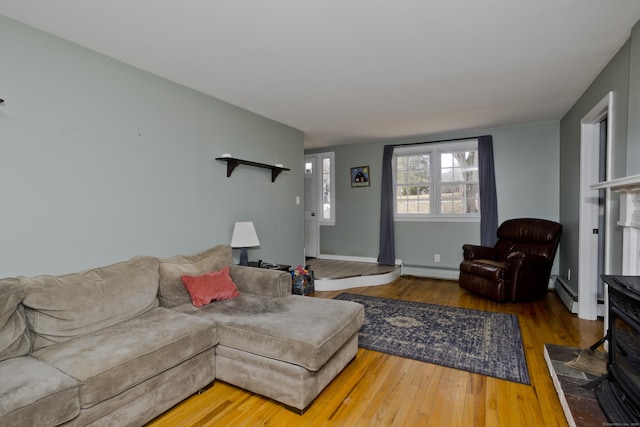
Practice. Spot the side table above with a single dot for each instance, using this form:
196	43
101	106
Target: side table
270	266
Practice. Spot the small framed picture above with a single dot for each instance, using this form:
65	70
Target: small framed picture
360	176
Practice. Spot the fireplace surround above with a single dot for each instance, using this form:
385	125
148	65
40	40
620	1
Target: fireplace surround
629	220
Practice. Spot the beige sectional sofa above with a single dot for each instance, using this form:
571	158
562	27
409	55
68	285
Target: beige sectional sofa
121	344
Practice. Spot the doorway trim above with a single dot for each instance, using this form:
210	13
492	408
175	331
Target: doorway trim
589	205
312	229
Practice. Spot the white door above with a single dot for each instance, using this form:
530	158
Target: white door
311	229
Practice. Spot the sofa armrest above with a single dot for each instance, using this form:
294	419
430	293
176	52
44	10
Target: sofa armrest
471	252
261	281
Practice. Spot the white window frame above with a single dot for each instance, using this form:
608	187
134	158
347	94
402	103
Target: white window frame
319	187
434	150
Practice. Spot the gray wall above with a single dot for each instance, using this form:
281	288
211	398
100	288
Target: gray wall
100	162
626	141
527	175
633	143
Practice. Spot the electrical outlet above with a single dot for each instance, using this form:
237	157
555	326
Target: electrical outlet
569	274
436	257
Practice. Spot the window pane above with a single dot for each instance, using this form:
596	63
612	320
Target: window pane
413	174
413	199
424	206
402	199
459	191
326	188
447	199
401	205
401	164
446	175
401	177
446	160
472	198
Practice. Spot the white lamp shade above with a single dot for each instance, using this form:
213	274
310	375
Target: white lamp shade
244	235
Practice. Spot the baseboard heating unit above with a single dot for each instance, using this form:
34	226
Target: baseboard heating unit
568	296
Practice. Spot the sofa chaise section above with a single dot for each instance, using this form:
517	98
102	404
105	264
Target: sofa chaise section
294	329
286	348
282	346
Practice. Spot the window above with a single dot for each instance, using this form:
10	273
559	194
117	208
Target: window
437	181
325	187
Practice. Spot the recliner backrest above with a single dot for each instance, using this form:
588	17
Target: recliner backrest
529	235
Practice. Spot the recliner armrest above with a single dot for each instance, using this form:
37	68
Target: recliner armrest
529	275
526	258
261	281
471	252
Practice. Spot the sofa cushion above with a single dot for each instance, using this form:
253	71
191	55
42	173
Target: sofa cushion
295	329
139	404
33	393
209	287
172	291
59	308
112	360
14	338
261	281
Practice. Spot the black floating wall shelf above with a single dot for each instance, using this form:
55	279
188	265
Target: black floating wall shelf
232	163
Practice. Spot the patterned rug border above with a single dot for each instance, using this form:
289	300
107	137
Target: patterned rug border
520	370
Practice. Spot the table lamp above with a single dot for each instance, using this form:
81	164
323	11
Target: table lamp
244	236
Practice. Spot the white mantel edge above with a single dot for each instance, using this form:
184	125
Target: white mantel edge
627	183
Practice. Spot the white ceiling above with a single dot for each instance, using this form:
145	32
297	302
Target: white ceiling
347	71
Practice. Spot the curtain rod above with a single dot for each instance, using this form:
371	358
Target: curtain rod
441	140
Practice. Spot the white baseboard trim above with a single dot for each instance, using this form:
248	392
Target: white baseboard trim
353	258
356	281
436	273
379	279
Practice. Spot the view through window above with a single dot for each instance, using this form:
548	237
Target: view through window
437	180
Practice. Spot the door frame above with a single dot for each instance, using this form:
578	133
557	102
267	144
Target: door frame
313	200
589	205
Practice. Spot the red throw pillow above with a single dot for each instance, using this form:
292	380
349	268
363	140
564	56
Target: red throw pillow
209	287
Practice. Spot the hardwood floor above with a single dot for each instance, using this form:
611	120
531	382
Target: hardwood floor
377	389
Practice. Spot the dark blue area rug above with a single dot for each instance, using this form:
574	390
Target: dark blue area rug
482	342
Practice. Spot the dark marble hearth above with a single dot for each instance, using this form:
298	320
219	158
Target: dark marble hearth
580	405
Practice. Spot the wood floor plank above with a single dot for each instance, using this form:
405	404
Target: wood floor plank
378	389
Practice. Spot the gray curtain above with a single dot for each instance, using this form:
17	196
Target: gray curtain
488	201
488	197
387	254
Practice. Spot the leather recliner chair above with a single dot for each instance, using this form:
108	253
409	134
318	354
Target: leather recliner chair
518	267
